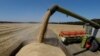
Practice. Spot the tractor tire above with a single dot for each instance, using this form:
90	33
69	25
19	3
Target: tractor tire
94	47
65	42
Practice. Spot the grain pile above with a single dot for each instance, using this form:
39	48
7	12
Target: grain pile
40	49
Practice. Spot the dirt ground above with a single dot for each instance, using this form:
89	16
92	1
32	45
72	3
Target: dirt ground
63	27
14	36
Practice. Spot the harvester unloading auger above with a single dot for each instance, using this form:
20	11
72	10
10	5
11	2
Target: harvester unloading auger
44	26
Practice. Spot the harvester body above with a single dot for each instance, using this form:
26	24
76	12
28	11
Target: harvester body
91	40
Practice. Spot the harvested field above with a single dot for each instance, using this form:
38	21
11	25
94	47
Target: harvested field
15	36
63	27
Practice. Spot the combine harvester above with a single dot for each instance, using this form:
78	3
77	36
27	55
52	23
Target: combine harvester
89	38
41	49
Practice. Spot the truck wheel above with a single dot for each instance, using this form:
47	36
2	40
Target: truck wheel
64	41
94	47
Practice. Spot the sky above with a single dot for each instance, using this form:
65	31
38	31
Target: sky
34	10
